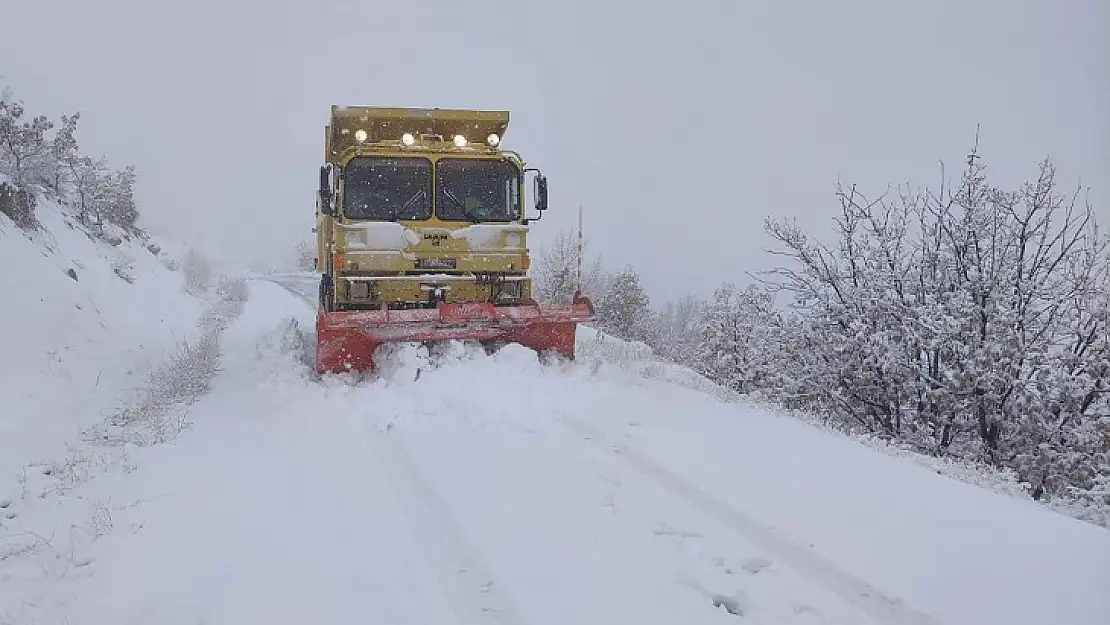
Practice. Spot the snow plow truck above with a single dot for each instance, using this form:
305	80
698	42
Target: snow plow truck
422	236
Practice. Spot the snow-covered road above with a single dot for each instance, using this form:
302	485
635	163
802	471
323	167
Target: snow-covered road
494	489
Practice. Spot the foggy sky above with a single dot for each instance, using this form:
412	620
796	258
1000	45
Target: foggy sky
678	126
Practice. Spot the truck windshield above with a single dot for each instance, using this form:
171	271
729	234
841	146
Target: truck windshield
477	190
387	188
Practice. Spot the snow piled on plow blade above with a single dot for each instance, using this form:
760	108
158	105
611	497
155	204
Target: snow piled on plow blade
347	340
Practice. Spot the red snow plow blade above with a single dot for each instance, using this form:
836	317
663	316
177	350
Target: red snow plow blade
345	340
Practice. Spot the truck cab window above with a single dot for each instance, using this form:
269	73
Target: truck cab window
477	190
387	188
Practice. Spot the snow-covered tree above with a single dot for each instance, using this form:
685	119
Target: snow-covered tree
969	321
86	175
623	309
680	326
37	160
119	198
102	196
63	152
554	271
739	346
24	146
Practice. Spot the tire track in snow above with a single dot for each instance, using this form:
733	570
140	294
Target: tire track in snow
463	575
432	521
296	287
854	590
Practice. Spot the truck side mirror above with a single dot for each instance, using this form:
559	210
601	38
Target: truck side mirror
541	192
326	207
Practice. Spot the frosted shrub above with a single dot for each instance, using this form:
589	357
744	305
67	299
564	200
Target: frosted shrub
198	275
970	321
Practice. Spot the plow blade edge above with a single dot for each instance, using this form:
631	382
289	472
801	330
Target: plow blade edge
346	340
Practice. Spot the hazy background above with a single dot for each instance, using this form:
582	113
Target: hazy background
679	126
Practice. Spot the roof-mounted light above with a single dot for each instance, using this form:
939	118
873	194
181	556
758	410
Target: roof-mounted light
460	141
360	135
408	139
493	139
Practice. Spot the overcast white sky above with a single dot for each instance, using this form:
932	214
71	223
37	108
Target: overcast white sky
679	126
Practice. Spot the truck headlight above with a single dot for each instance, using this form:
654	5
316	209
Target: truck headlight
510	290
359	290
353	239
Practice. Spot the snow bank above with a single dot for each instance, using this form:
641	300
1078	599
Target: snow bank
609	355
50	527
616	356
929	514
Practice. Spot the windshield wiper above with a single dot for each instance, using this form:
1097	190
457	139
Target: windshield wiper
410	201
465	210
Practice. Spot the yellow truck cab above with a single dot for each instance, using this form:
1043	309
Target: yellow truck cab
421	229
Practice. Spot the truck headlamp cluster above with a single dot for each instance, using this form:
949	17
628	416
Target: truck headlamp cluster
360	135
408	139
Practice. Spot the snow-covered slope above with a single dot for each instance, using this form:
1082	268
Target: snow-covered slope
82	322
495	489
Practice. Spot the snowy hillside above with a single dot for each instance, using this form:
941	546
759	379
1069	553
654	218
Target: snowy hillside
85	319
96	323
488	489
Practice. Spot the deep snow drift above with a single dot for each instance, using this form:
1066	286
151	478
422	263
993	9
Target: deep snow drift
496	489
